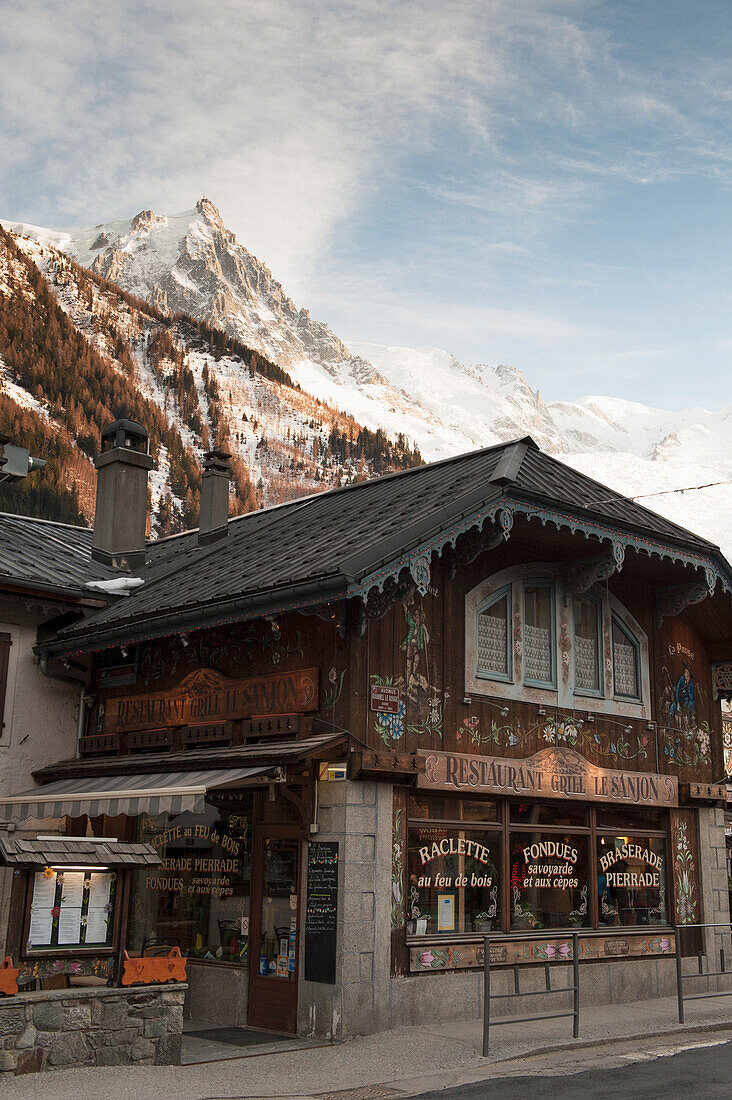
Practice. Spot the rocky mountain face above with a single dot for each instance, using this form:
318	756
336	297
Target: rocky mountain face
76	352
191	262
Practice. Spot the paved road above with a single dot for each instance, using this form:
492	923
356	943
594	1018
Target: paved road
703	1072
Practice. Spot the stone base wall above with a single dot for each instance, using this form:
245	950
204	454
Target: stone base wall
218	994
429	998
140	1026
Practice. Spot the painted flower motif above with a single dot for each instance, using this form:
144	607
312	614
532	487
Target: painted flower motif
392	725
56	911
561	952
332	675
84	921
427	958
664	944
512	738
108	907
48	872
275	658
704	743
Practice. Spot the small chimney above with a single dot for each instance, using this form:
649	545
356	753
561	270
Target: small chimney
214	513
121	510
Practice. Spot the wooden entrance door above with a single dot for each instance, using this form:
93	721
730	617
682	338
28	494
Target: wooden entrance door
273	942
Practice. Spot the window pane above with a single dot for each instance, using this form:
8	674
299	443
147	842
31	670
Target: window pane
586	646
454	880
631	880
449	808
625	663
434	806
493	639
538	643
198	899
474	810
549	881
621	820
534	813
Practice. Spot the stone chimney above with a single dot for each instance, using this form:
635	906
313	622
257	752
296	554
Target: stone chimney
212	524
121	510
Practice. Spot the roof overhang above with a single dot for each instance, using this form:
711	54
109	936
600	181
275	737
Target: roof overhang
410	550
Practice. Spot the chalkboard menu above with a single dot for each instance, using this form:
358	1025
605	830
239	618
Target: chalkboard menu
321	914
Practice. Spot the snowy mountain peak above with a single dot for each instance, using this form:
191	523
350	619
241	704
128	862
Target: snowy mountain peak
191	262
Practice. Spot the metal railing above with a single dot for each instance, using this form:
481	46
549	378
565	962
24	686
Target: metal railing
488	996
678	929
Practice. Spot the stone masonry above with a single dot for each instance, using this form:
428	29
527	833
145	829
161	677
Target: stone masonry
357	815
140	1026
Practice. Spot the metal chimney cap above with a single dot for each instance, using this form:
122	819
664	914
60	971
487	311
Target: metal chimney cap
126	434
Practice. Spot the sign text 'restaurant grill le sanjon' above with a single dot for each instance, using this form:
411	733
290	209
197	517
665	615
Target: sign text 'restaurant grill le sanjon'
551	773
207	696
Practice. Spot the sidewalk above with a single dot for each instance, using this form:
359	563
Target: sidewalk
402	1062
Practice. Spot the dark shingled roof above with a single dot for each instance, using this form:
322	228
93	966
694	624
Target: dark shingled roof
41	553
52	555
325	544
68	852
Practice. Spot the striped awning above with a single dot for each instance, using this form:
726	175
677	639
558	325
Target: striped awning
169	792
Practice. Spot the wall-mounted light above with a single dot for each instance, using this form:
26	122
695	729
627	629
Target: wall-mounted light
590	718
123	651
504	712
541	710
79	867
628	729
185	641
467	700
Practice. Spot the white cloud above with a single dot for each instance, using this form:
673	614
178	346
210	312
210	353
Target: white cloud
508	119
289	113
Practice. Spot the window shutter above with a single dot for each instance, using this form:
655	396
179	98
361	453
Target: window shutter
5	643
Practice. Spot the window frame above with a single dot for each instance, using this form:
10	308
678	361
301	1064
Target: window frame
505	592
541	582
589	693
628	633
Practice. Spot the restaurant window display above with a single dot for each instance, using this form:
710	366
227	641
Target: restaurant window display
567	865
198	899
454	869
549	880
631	879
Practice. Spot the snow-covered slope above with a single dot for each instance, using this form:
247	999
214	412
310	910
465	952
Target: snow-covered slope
192	262
632	448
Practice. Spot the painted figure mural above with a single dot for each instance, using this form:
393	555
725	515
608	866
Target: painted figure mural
681	710
415	645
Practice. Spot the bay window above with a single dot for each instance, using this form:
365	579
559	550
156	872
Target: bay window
529	637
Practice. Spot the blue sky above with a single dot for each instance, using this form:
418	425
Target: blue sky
544	183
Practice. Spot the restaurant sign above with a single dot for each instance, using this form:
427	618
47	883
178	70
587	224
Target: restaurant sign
206	696
554	772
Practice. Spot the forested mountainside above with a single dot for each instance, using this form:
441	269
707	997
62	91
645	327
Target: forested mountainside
77	352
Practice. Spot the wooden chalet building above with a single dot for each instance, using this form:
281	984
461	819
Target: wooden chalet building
365	728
